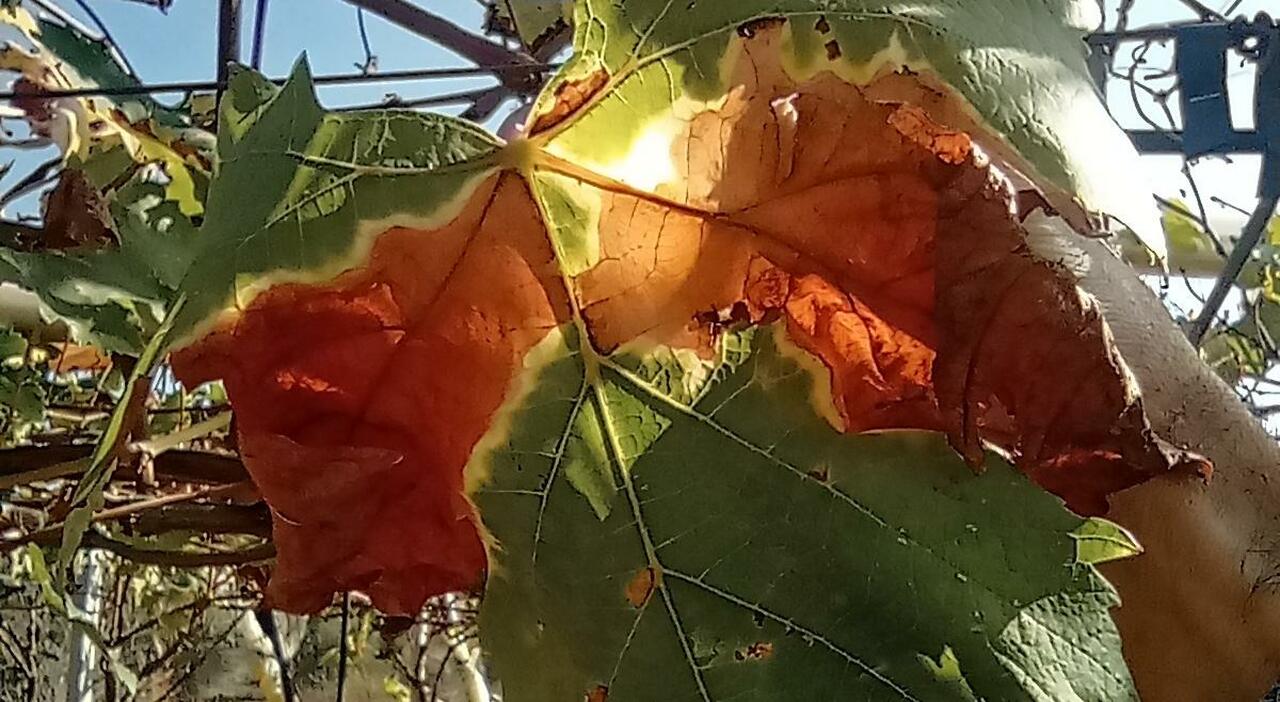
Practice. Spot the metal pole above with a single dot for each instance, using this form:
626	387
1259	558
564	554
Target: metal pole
228	38
1253	231
259	35
82	658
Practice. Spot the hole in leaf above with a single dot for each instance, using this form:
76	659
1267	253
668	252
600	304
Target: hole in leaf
748	30
758	651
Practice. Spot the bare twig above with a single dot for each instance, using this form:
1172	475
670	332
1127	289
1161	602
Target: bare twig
17	464
342	644
11	645
332	79
254	520
161	5
1231	206
38	177
485	104
202	654
266	619
491	100
259	34
1204	215
228	37
1253	231
180	559
431	26
198	603
466	96
1205	12
128	510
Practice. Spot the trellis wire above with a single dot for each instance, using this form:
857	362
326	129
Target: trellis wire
331	79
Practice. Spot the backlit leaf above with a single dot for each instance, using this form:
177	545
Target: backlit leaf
624	367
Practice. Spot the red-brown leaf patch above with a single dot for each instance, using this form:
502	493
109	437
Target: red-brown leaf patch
359	401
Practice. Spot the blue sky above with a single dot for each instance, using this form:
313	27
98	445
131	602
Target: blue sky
181	45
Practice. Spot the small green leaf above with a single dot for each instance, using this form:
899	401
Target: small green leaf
12	344
396	690
1099	540
40	576
28	402
947	669
1188	244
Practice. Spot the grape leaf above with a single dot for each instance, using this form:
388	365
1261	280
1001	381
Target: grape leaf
448	354
113	294
746	554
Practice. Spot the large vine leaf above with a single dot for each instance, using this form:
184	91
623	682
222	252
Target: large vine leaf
704	272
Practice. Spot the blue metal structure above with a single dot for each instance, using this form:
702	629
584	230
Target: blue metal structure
1201	54
1200	61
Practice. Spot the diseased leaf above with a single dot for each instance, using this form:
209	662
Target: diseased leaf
643	343
1010	73
112	288
335	406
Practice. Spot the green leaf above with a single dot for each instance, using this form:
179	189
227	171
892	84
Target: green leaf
12	344
1099	541
1189	248
947	669
114	297
1233	354
791	562
94	64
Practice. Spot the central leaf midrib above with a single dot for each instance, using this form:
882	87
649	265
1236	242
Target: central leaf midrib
633	500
